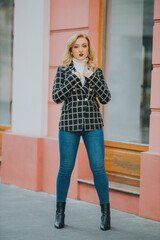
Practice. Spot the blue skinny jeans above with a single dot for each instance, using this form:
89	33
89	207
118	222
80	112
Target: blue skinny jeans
68	146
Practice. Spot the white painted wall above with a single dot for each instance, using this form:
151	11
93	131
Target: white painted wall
31	66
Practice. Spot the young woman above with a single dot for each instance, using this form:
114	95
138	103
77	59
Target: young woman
78	83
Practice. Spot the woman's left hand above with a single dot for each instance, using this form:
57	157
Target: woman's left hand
87	73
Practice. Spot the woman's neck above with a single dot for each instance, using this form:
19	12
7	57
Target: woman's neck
76	61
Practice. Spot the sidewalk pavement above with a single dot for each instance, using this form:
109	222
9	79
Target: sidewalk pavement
29	215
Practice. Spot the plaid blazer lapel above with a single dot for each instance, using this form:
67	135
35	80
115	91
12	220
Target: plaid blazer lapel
84	87
72	68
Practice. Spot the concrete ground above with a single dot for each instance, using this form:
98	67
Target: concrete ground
29	215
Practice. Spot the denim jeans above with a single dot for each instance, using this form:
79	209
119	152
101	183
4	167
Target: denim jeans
68	146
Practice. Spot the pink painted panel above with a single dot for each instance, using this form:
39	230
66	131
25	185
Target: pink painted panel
156	9
58	42
149	186
54	111
50	164
155	89
69	14
21	161
118	200
87	193
156	44
52	72
154	136
124	202
94	23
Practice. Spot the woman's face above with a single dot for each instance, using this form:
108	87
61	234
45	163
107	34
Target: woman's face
80	49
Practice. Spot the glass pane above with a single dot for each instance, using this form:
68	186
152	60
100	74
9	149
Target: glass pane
6	28
128	70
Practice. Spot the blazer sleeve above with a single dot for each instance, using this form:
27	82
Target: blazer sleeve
97	81
62	86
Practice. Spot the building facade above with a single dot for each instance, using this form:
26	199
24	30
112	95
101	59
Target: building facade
126	37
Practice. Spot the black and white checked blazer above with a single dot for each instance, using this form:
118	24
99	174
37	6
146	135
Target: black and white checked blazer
81	110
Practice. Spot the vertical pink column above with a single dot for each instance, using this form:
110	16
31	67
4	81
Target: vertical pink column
150	161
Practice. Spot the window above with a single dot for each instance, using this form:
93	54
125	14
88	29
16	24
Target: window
128	68
6	30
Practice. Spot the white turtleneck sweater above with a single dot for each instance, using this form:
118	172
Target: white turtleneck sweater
79	66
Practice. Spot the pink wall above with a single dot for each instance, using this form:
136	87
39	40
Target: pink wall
22	161
150	161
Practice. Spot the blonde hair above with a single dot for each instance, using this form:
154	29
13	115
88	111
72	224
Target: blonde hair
67	57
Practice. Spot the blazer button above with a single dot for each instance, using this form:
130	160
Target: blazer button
90	89
74	90
85	99
77	99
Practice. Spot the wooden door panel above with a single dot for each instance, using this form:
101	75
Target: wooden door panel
122	162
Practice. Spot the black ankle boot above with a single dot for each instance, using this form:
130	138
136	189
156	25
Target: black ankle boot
59	221
105	218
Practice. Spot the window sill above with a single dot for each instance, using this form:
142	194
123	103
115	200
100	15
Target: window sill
121	187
